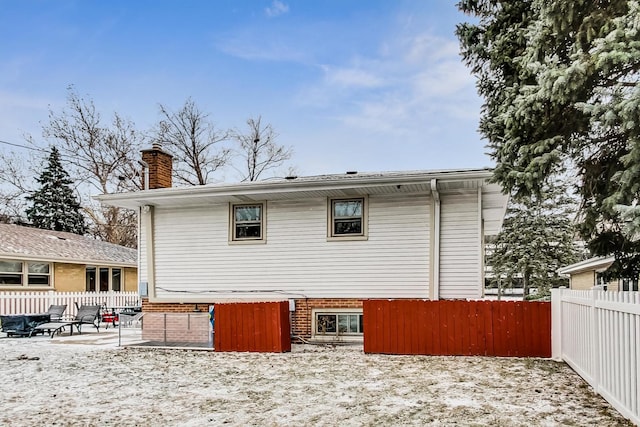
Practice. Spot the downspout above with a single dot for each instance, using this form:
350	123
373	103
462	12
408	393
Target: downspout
147	219
481	240
435	243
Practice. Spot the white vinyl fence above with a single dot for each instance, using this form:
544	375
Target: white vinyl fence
39	302
598	334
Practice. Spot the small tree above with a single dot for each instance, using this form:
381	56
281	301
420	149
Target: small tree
259	150
537	239
54	206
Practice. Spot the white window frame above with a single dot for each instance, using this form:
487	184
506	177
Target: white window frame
337	335
364	232
233	239
25	274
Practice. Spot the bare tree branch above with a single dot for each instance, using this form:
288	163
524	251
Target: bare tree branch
195	142
259	150
102	157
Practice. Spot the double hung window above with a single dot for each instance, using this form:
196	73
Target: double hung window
247	222
348	218
24	273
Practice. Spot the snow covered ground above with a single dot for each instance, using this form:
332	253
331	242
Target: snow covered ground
88	381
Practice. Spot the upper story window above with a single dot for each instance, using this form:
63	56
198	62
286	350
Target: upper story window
24	273
348	217
247	222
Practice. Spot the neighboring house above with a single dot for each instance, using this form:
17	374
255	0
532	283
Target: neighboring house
32	259
325	243
589	273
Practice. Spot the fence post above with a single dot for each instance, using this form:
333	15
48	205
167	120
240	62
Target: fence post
556	324
595	340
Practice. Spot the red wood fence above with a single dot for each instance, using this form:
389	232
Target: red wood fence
261	327
473	328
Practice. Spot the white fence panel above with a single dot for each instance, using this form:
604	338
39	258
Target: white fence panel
39	302
598	334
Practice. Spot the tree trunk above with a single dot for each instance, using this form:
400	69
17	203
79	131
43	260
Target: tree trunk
525	284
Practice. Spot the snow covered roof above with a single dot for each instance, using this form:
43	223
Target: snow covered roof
592	264
20	242
349	184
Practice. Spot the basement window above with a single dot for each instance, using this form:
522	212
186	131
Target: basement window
336	323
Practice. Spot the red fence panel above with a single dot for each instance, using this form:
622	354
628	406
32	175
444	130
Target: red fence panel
465	328
258	327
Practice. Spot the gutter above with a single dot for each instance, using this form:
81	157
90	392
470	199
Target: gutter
286	186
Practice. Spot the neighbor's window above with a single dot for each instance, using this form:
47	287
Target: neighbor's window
24	273
247	222
338	323
10	273
347	217
103	279
39	273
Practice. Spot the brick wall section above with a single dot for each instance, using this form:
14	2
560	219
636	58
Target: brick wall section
173	307
300	319
160	167
176	327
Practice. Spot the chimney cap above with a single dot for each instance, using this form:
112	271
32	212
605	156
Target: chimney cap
156	145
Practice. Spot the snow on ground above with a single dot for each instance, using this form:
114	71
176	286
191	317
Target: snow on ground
88	381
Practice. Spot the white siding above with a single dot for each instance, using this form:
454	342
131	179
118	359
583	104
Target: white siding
460	262
195	260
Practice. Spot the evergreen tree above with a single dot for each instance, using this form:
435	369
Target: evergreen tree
537	238
561	82
54	206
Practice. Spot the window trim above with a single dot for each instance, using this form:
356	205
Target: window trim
349	336
25	274
263	225
363	235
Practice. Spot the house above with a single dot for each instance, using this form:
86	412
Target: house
589	273
325	243
42	260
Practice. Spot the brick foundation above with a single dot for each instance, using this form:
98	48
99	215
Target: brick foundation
300	318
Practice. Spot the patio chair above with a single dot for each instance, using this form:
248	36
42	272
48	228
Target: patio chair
87	315
55	312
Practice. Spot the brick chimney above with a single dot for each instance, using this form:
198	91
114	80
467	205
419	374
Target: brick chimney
160	167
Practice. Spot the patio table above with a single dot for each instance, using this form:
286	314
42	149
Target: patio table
22	324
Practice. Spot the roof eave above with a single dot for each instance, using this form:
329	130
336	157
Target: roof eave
134	200
60	260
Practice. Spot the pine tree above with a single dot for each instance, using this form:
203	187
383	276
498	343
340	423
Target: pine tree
54	206
560	80
537	238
